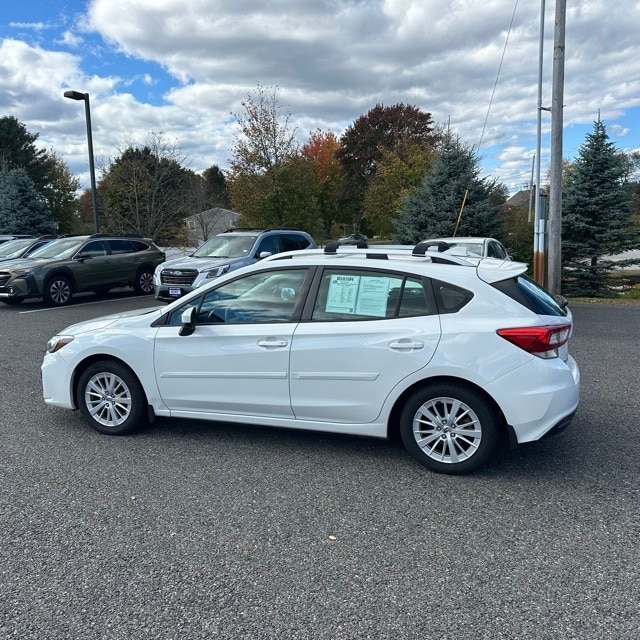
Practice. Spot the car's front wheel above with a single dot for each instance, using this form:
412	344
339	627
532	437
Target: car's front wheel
449	428
143	283
111	398
58	291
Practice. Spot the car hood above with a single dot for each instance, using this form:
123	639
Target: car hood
124	319
189	262
21	263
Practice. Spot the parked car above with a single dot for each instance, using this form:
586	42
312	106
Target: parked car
224	252
69	265
10	237
454	354
23	247
483	247
354	238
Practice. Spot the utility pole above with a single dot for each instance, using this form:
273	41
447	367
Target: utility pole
555	186
539	215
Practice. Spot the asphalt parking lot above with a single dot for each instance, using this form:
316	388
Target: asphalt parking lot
195	530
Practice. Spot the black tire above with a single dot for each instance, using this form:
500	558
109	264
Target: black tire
111	398
58	291
12	301
143	283
449	428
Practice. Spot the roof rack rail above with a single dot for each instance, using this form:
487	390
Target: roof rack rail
422	247
260	229
122	234
48	237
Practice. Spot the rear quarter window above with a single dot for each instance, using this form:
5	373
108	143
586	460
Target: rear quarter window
449	297
531	295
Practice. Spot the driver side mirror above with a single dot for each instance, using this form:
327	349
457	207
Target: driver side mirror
264	254
188	320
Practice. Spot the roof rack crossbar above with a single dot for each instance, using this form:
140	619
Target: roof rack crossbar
422	247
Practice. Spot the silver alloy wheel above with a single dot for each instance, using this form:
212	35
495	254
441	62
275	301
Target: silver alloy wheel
108	399
447	430
145	282
59	291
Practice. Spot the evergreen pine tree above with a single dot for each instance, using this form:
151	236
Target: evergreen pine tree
596	215
433	208
21	208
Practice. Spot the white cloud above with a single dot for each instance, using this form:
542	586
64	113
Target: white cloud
332	60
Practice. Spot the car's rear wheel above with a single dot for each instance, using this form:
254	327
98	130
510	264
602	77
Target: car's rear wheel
143	283
111	398
58	291
449	428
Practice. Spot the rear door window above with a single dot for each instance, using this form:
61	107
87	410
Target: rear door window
353	294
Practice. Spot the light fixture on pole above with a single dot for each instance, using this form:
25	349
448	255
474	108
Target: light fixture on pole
77	95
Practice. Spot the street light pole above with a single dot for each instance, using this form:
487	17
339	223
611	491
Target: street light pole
77	95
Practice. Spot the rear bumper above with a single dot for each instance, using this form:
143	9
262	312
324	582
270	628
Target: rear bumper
539	399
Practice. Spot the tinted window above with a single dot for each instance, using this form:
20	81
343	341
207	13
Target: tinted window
121	246
95	248
139	246
531	295
293	242
450	298
270	244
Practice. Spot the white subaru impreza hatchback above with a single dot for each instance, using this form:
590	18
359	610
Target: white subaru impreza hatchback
453	353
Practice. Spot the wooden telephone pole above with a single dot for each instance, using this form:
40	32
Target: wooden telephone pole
555	186
547	240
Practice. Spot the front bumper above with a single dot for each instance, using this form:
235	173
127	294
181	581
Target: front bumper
20	288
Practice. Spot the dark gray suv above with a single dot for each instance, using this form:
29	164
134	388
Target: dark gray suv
225	252
74	264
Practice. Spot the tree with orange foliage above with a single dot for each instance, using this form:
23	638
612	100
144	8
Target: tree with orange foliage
320	151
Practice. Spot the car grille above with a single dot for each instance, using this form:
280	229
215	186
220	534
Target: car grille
4	278
178	277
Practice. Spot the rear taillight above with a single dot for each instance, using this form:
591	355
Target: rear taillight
539	341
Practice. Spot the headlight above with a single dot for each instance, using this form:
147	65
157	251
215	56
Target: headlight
218	271
57	342
24	272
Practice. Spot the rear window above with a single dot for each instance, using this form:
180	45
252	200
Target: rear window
531	295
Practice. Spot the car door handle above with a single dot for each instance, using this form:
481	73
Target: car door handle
273	343
406	344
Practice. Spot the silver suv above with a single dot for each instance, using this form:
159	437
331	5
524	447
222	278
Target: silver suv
225	252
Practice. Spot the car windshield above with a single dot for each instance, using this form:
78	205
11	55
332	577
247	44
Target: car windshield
63	248
473	247
14	248
226	246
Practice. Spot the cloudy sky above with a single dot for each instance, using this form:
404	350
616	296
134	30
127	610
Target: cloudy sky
182	67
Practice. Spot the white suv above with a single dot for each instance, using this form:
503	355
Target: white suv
452	353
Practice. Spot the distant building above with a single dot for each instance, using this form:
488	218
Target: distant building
202	226
525	199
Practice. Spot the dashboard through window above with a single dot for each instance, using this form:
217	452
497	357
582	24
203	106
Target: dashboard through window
267	296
